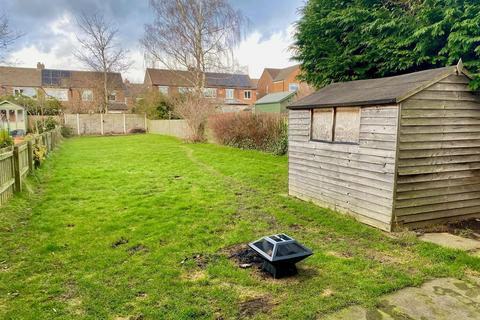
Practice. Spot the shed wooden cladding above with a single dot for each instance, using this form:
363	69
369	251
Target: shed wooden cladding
417	160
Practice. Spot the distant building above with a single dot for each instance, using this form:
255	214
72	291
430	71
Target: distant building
236	91
78	91
133	92
274	102
282	80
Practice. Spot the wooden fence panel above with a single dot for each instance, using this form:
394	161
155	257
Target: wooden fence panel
7	175
17	162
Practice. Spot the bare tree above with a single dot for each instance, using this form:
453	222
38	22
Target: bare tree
196	36
99	49
7	36
193	35
196	112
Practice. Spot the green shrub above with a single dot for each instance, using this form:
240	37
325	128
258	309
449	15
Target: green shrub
259	131
5	139
47	124
66	132
39	154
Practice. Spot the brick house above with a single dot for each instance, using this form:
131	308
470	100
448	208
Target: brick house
282	80
77	91
235	91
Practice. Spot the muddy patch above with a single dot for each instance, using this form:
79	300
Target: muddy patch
243	256
119	242
467	229
136	249
200	260
251	307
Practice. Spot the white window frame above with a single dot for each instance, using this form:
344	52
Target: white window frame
163	90
87	95
247	94
184	90
112	94
293	87
59	94
24	91
229	94
210	92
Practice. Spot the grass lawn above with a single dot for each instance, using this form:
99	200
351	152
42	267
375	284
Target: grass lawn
64	251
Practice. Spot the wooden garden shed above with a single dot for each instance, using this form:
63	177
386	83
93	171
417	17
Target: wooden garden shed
393	152
13	118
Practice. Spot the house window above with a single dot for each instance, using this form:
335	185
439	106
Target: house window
87	95
20	116
112	96
293	87
183	90
247	94
59	94
229	93
25	91
163	90
210	92
336	125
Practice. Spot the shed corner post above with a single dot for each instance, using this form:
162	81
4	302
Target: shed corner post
16	166
394	223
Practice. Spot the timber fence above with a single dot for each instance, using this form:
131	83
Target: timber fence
18	161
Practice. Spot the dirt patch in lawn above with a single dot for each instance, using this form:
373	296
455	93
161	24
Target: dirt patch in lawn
201	260
467	229
119	242
137	248
251	307
243	256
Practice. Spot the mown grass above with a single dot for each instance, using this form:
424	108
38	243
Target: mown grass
172	201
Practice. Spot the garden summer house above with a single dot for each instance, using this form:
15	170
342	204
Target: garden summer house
393	152
13	118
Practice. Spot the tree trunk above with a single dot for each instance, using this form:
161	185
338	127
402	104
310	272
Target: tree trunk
105	91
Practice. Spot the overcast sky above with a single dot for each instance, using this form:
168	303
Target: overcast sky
50	31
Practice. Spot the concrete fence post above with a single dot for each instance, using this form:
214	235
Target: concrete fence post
146	126
101	123
124	124
78	124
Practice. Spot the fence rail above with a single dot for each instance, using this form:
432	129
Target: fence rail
18	161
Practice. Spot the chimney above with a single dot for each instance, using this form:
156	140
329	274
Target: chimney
40	66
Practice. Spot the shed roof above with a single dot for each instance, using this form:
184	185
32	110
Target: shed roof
163	77
11	104
275	97
374	91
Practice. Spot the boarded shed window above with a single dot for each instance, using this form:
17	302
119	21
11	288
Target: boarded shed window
336	124
322	124
347	125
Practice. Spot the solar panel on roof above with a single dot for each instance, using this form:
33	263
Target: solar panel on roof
54	77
